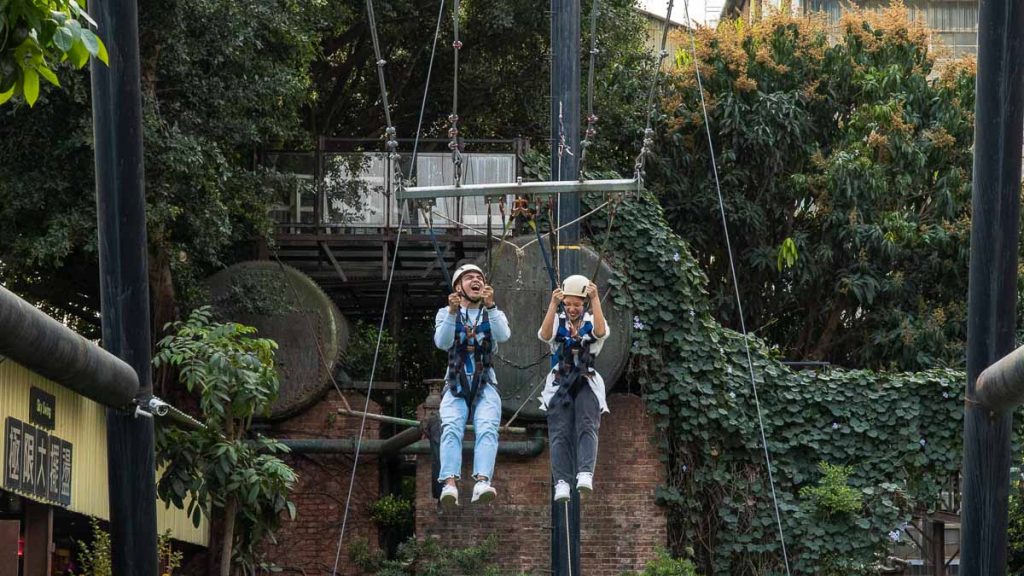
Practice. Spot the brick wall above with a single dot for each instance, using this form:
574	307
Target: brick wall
309	544
620	525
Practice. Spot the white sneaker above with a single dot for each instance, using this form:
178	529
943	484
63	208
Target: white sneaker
449	496
561	491
585	483
483	492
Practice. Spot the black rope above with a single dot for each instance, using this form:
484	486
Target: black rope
453	132
648	139
437	248
604	245
591	117
489	239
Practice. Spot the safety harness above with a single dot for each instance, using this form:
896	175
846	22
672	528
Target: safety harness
467	349
573	362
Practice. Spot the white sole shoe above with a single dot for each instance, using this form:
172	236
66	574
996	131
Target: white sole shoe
562	491
585	483
449	496
483	493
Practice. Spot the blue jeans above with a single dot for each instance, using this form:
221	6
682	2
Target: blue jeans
486	418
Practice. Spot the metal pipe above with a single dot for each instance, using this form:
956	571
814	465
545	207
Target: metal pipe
54	351
520	448
1000	387
571	188
992	292
408	422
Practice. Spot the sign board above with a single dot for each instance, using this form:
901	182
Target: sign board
42	408
37	464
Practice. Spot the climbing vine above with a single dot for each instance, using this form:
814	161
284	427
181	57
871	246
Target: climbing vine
897	435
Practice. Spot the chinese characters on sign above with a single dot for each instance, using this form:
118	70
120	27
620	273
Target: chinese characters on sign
37	463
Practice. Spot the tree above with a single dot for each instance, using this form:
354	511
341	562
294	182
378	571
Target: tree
212	96
238	483
271	72
35	36
845	165
503	72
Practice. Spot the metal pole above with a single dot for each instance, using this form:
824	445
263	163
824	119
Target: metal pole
124	286
565	134
999	118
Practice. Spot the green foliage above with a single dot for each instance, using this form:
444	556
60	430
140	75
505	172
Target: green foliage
35	37
392	511
212	94
833	495
902	429
1015	531
429	557
168	557
503	73
361	348
666	565
223	474
94	557
849	149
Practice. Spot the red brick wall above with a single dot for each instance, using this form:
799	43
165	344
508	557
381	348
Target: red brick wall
309	544
621	526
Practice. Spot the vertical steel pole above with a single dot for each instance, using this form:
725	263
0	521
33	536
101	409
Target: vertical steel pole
124	284
565	137
992	295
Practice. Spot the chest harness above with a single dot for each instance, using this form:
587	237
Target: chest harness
574	361
469	358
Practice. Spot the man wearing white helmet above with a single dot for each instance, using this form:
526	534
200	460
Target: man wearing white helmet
469	328
574	395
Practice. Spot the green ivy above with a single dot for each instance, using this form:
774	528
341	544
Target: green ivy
833	494
899	433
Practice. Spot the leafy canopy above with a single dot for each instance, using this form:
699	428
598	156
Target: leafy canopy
35	36
223	473
845	162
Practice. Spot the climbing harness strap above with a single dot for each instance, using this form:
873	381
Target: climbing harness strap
466	347
574	361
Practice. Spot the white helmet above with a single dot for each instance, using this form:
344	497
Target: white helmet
575	285
462	270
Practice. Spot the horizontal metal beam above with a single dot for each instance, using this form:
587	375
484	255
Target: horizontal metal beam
529	448
52	350
1000	387
516	189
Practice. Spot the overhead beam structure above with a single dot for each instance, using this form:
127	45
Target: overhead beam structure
517	189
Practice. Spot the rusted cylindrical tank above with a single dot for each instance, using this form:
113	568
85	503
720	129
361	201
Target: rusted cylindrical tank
522	289
288	307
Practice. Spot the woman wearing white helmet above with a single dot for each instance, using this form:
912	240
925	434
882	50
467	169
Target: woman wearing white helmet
574	395
469	328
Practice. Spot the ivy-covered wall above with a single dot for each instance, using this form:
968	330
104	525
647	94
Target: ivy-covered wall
898	434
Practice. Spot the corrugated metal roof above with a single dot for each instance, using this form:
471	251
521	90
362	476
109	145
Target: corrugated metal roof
83	424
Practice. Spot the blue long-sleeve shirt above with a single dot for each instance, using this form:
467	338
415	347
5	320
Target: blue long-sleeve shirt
444	330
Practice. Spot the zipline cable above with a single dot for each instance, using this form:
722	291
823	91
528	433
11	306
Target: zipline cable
735	284
392	146
591	117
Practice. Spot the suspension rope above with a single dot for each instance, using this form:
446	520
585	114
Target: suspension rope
591	117
426	88
612	211
474	229
437	248
567	224
489	238
735	283
453	119
392	145
648	139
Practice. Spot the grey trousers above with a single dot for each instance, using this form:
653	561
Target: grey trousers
572	435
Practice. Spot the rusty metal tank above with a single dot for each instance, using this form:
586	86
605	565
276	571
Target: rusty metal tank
522	289
287	306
